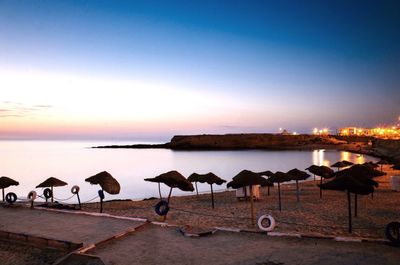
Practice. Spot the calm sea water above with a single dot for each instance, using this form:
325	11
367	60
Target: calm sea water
31	162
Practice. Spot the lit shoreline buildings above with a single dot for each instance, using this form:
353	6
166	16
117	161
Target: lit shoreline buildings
380	132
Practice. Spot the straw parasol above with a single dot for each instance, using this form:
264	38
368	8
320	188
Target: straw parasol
313	169
339	165
296	174
107	183
280	177
172	179
370	164
52	182
361	173
209	178
269	184
348	163
6	182
247	178
350	185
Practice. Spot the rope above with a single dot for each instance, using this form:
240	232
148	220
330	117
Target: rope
97	196
63	200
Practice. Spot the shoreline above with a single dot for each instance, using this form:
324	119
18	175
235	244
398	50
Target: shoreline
275	142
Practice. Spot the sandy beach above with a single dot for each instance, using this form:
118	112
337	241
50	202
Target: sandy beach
327	216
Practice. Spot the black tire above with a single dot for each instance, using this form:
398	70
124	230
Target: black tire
11	197
101	194
47	193
392	232
162	208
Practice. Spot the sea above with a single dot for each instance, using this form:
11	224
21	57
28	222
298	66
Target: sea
32	162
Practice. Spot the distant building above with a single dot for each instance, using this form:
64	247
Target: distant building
389	132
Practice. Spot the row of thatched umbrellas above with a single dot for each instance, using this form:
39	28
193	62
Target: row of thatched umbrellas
104	179
357	180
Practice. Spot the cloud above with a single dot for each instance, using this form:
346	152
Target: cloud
10	109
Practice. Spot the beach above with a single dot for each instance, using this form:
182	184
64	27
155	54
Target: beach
314	216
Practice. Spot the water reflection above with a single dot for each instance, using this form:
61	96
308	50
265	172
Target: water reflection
31	162
319	158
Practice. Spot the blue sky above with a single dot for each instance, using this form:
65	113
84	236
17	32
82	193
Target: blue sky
248	66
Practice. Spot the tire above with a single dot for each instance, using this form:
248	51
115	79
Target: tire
47	193
162	208
11	197
101	194
270	223
75	189
392	232
32	196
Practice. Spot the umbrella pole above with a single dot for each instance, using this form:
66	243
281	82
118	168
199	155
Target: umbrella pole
252	205
298	192
79	200
52	194
212	196
314	176
197	191
3	194
372	195
355	205
268	191
245	192
159	190
169	196
101	203
279	196
349	206
320	190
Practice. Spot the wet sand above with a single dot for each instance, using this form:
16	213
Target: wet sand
312	215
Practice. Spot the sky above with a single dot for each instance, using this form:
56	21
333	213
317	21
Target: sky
154	69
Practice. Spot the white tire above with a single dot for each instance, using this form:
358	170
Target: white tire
271	223
32	196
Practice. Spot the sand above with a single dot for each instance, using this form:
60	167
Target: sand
312	215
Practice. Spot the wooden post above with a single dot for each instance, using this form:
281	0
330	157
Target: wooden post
212	196
320	189
52	194
279	196
349	206
197	191
101	202
245	193
298	192
3	194
159	190
268	191
169	196
79	200
252	205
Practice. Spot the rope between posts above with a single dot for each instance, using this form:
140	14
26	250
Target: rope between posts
97	196
63	200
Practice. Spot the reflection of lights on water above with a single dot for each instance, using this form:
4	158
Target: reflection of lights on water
360	159
344	156
319	158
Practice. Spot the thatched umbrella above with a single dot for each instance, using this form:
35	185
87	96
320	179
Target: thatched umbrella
370	164
107	183
52	182
247	178
361	173
297	175
347	163
172	179
280	177
6	182
269	184
313	169
350	185
339	165
210	178
382	162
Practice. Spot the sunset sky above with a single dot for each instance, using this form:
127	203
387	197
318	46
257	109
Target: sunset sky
152	69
